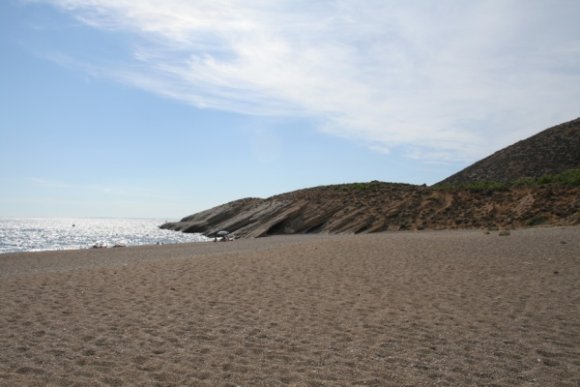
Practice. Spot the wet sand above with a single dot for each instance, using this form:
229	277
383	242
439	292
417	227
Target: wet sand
457	308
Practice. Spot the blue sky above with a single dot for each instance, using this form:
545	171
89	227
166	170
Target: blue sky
161	109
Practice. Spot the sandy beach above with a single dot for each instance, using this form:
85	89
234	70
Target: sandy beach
461	308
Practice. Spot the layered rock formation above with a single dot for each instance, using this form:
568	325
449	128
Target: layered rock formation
377	206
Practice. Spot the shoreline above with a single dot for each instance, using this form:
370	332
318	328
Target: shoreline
311	235
420	308
60	234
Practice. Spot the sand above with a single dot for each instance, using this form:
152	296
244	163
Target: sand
455	308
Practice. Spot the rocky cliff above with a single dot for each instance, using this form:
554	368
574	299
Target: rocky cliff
464	200
376	206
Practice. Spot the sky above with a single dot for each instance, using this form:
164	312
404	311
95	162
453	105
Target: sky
142	108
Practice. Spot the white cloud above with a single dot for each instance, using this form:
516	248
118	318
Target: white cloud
445	80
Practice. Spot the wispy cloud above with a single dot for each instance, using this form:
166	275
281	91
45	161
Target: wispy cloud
441	80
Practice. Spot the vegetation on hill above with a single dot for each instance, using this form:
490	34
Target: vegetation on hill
569	178
550	152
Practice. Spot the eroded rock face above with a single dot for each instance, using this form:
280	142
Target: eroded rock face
376	206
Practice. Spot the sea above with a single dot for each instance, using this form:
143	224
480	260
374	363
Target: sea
44	234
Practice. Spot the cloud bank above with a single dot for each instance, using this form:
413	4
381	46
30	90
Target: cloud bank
444	80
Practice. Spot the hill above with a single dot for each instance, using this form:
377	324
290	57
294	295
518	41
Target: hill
533	182
551	151
374	207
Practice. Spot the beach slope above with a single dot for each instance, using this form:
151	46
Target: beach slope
406	308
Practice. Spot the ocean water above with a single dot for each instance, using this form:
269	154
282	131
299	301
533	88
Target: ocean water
41	234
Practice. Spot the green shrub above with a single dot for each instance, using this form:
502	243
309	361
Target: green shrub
569	178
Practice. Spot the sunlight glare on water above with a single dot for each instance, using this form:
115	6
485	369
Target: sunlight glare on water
39	234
